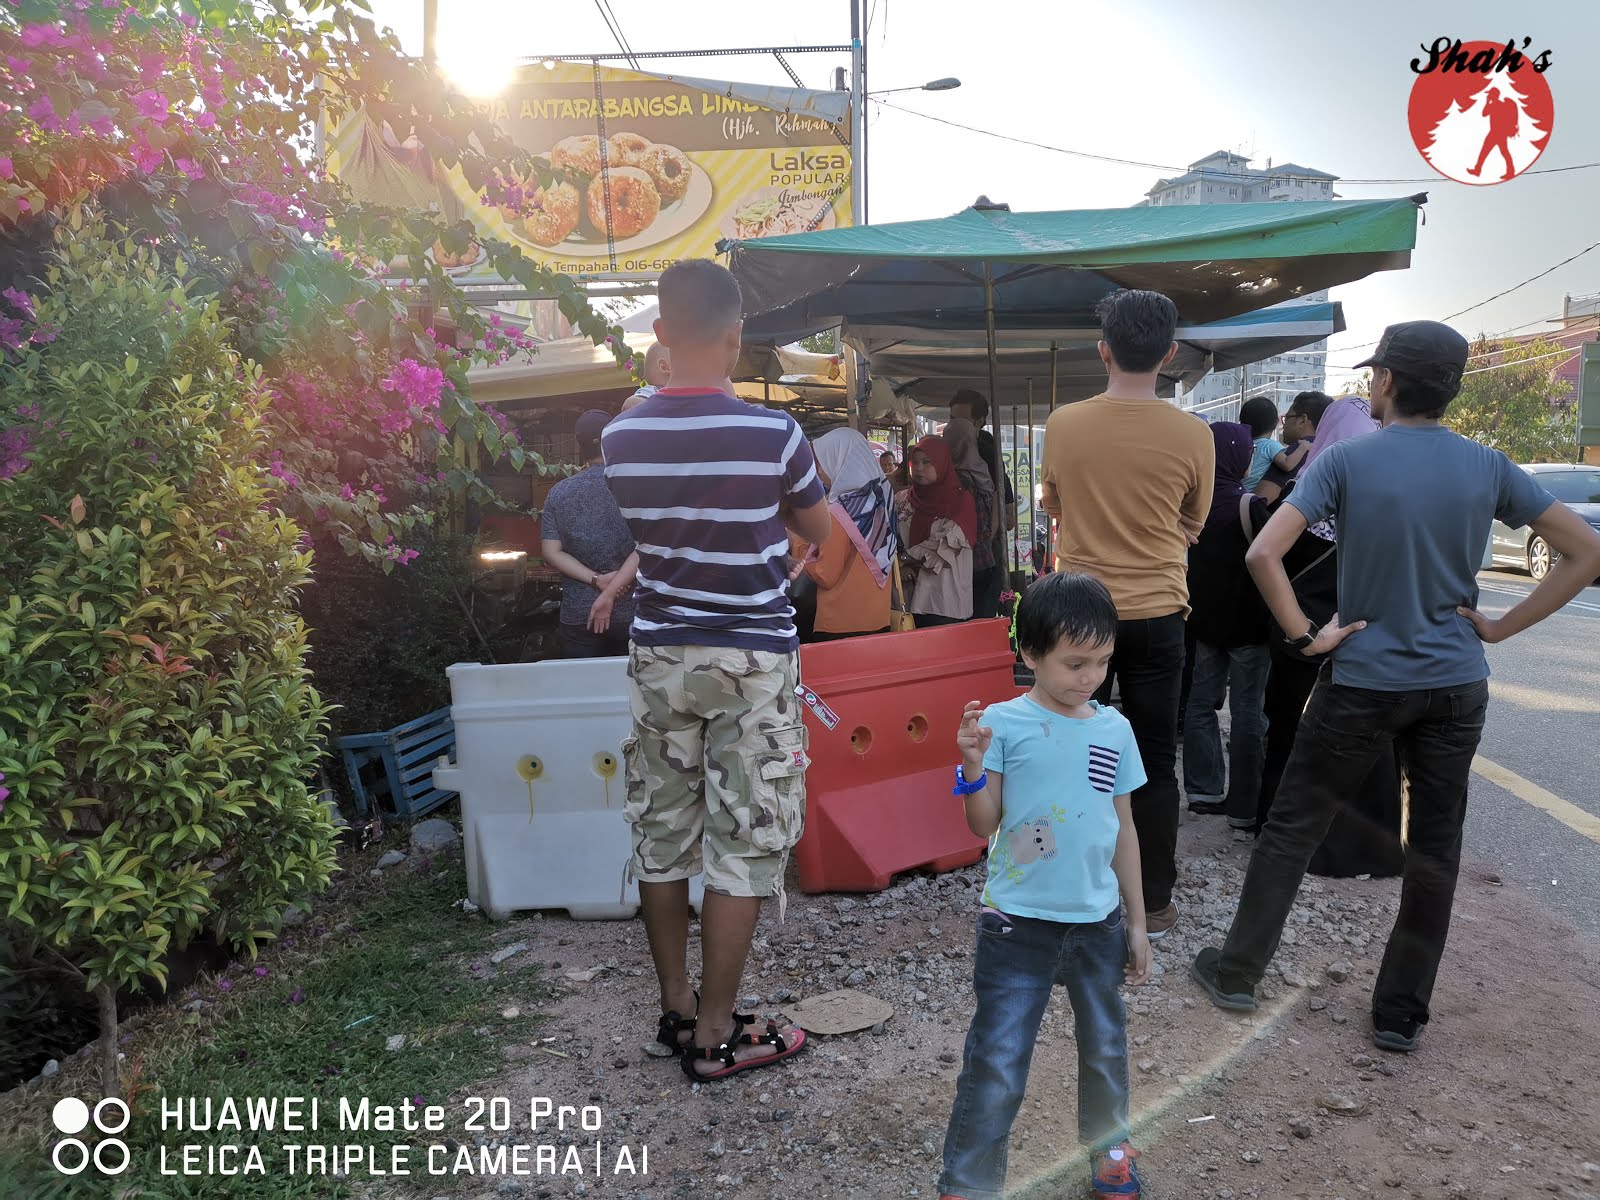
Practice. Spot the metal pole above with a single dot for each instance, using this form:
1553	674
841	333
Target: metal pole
1055	358
1012	559
1033	516
994	380
858	118
430	32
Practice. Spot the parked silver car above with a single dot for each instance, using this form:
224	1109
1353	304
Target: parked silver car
1576	486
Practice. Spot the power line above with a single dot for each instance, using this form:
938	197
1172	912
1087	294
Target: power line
615	26
1525	282
1134	162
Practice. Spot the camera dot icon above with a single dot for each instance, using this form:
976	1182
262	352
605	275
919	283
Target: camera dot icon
71	1155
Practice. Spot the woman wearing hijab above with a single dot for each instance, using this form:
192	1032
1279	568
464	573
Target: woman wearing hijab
938	526
851	568
1228	622
1365	837
961	436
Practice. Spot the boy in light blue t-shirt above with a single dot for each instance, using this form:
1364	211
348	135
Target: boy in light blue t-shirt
1046	778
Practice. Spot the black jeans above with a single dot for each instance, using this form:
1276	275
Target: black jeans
1148	664
579	641
1342	734
987	585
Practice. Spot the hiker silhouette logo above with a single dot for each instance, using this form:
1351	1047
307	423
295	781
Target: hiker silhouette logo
71	1155
1481	112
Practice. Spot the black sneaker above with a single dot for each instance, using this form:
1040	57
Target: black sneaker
1402	1038
1206	970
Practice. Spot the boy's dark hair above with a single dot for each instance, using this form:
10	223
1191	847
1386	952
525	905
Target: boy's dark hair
1413	398
1138	327
976	402
1312	405
1065	605
698	299
1261	414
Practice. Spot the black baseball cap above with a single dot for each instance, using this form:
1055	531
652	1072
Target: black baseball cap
591	423
1431	353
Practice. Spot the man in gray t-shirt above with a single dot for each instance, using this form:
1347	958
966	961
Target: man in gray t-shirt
1413	504
585	537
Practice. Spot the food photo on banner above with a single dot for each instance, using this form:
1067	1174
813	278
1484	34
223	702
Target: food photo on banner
633	171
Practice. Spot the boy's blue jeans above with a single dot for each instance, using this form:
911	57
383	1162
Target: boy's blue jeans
1018	961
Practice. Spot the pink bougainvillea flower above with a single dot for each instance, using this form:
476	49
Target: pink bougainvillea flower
146	157
7	171
296	997
205	120
44	335
42	111
347	492
10	333
261	972
224	985
22	302
189	167
151	105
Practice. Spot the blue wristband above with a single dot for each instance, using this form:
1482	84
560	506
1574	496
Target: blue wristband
963	788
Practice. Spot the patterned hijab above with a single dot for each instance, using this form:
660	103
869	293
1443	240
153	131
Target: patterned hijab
857	484
1345	418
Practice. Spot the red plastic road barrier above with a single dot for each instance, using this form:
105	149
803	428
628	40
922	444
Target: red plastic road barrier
878	795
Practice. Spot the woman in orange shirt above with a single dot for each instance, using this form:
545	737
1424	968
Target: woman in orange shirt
851	568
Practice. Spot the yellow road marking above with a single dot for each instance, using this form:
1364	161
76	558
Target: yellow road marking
1565	811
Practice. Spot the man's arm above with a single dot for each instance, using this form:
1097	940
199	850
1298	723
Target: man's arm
1125	864
1265	560
618	582
566	563
813	523
1570	536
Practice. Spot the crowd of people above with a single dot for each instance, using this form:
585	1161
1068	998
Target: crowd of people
1323	586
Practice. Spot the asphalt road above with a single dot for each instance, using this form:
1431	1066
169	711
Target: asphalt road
1543	728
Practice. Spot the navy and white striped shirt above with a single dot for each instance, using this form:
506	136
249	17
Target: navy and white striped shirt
700	477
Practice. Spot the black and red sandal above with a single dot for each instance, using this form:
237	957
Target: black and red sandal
788	1044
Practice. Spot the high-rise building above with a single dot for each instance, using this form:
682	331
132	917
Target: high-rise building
1227	178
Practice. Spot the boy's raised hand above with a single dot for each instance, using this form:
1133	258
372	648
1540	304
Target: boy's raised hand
973	739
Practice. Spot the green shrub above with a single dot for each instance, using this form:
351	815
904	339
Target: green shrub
157	726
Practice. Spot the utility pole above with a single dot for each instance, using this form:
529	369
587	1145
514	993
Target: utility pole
858	117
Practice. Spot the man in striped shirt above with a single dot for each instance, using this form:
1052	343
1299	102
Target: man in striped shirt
710	487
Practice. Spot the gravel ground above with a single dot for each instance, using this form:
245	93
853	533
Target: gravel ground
1502	1101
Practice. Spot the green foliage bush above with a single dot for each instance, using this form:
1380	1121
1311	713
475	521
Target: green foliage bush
156	714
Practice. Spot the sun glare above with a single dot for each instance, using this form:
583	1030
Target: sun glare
480	42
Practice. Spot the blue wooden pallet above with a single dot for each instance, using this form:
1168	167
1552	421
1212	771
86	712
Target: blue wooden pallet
408	753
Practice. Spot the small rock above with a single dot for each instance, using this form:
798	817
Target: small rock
391	858
947	1056
881	1028
397	1042
1147	1065
1362	1061
295	916
467	906
585	976
1318	1004
1300	1127
856	978
1339	971
433	835
196	1005
1251	1156
781	996
781	1114
374	874
750	1002
1294	979
511	951
1340	1104
51	1070
511	1013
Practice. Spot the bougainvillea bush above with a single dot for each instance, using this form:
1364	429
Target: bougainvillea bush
157	722
202	373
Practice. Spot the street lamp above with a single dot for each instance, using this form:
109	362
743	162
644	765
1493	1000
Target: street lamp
947	84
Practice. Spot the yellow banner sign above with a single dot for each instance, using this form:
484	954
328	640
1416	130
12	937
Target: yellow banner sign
653	169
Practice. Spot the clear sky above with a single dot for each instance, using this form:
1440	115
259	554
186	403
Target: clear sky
1160	81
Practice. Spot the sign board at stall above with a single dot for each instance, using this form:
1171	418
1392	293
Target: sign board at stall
654	169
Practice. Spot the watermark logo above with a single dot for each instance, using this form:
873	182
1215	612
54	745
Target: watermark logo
72	1155
1481	112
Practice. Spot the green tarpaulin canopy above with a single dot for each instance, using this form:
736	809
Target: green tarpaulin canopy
1046	271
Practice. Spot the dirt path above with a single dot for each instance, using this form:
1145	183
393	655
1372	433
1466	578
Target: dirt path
1503	1101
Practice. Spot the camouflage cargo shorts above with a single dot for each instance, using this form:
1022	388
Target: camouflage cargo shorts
718	753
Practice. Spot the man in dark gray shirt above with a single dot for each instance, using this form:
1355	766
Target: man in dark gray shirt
1412	504
586	539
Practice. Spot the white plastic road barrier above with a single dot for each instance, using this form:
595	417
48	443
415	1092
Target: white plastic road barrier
540	773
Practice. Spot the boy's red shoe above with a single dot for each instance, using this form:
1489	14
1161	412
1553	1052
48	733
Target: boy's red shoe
1114	1174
